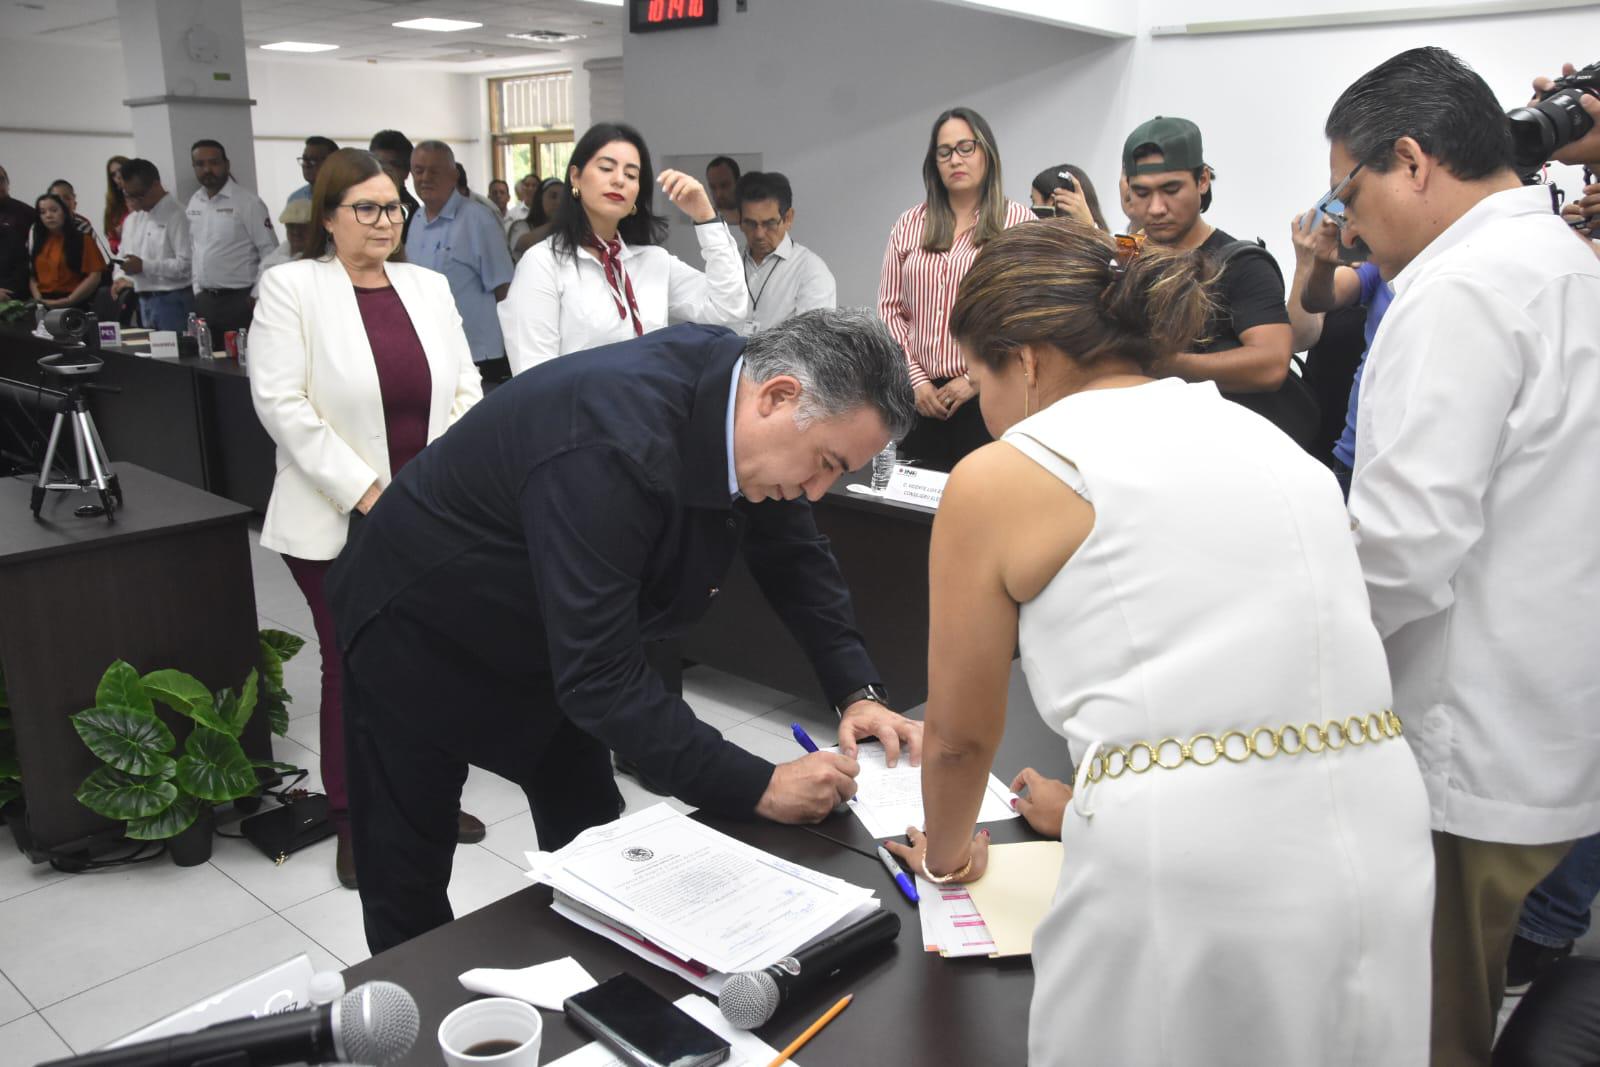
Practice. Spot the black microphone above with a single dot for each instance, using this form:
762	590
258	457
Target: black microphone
374	1023
751	998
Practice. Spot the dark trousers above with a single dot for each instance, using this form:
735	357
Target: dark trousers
417	712
1557	912
309	575
224	310
939	444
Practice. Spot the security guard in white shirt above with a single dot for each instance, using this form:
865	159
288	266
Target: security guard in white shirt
232	232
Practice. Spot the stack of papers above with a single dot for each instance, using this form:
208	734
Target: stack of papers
747	1050
691	900
889	799
996	915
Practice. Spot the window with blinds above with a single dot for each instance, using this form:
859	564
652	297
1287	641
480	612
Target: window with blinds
530	124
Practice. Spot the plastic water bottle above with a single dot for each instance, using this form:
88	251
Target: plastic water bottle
202	338
883	468
190	328
39	312
244	359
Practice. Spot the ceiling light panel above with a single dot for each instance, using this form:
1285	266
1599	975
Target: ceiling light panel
436	25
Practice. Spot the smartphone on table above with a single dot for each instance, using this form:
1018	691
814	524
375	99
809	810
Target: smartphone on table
644	1027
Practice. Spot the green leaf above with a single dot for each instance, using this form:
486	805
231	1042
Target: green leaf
271	668
9	767
178	691
116	795
223	713
277	712
120	686
9	791
129	740
246	706
214	767
175	820
286	645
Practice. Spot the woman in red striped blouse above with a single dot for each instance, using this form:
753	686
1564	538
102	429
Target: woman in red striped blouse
930	249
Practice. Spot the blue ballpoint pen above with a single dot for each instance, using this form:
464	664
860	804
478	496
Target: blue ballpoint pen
809	745
901	879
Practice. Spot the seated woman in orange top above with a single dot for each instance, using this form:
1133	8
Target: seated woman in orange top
67	264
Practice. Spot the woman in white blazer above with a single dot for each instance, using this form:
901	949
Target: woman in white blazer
602	275
356	362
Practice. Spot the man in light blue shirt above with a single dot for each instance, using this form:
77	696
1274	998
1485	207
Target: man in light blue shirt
315	154
462	240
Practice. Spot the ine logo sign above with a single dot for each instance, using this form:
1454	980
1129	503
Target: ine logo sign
647	16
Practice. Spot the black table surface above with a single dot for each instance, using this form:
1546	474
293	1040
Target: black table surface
155	505
910	1006
841	495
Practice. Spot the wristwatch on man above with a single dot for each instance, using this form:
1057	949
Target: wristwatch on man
875	693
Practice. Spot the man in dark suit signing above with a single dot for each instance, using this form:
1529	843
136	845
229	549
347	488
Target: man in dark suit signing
492	608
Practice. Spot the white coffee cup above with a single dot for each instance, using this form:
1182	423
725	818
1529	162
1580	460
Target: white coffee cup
497	1019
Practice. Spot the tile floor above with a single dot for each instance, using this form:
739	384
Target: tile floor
75	972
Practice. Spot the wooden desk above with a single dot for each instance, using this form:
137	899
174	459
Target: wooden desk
911	1006
167	585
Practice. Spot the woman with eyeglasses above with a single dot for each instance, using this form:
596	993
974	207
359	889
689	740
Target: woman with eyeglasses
357	361
1248	873
930	249
602	275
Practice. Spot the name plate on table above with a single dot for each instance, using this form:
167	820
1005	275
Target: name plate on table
164	344
111	333
914	485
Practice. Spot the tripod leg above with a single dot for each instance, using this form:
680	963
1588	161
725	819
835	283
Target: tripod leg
91	449
105	461
83	449
49	460
88	439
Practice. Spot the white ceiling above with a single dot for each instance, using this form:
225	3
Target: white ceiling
362	30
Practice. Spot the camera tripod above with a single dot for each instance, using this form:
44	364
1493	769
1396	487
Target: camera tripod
94	466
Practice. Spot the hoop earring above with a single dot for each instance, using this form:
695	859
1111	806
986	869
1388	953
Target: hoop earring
634	210
575	195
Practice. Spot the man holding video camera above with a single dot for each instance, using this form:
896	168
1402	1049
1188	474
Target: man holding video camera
1473	501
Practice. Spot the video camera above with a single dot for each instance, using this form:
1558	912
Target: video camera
1540	130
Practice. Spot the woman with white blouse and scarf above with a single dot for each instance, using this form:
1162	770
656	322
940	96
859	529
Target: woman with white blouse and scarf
602	276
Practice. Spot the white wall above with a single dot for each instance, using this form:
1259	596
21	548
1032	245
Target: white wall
838	95
294	99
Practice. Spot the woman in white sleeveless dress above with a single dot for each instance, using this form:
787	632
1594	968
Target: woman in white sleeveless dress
1173	567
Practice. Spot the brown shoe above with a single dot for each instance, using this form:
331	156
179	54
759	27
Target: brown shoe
470	829
344	862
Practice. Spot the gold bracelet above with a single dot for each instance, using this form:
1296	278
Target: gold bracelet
946	879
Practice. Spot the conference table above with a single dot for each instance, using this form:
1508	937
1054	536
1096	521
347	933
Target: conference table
910	1006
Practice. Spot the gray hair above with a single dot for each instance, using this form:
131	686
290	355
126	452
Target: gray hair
436	146
844	359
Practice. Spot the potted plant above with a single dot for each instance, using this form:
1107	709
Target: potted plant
160	792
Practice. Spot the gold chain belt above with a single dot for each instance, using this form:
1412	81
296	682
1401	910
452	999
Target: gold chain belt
1263	742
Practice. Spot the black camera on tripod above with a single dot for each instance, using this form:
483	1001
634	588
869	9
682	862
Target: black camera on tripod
1540	130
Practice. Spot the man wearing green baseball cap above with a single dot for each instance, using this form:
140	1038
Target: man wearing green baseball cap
1247	344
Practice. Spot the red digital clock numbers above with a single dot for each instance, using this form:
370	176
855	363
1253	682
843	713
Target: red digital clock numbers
645	16
675	10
